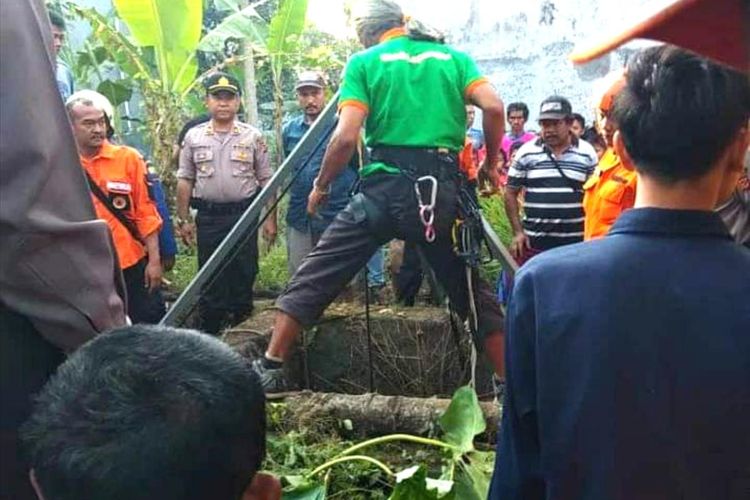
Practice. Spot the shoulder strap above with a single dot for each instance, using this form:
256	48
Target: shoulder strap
576	186
127	223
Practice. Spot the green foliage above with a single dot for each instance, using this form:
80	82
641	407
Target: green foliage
173	29
465	474
244	24
463	420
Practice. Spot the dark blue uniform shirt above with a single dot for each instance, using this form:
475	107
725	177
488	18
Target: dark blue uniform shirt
628	366
341	186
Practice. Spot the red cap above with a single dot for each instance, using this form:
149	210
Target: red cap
717	29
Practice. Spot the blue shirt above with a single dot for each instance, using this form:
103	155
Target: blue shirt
628	366
341	186
167	243
64	80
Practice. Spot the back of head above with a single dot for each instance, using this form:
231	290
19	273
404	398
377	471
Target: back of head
679	112
372	18
148	412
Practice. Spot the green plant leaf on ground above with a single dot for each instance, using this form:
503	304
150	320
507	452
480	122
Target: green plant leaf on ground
303	490
472	479
412	485
463	420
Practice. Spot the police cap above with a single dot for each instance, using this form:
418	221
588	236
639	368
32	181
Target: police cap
219	81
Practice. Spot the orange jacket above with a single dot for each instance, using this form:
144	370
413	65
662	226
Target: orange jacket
467	161
120	173
608	193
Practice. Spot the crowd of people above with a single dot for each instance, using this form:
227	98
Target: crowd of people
624	354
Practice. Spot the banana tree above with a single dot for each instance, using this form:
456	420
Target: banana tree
282	44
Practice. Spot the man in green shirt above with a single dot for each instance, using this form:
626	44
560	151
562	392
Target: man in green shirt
409	90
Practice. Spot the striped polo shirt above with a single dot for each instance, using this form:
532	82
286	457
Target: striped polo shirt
553	204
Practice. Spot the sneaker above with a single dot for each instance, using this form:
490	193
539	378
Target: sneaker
273	380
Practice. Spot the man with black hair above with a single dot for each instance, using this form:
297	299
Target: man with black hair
223	166
551	171
63	75
636	384
518	115
148	412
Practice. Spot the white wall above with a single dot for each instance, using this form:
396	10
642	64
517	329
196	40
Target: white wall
523	45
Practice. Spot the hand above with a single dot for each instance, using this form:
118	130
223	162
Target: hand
490	168
187	233
270	229
519	245
152	276
315	199
167	263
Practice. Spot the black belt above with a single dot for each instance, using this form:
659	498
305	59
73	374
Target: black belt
416	162
220	208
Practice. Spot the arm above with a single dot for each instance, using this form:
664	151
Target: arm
520	242
493	120
152	275
518	472
340	149
185	227
264	173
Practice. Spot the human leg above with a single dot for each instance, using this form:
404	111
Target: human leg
450	271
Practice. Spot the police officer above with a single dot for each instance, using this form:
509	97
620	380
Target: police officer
412	89
223	165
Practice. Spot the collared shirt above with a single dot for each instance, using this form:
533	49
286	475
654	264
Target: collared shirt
57	264
64	78
509	139
402	82
628	366
553	210
120	173
225	168
297	216
608	193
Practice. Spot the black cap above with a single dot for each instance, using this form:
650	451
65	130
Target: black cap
222	81
555	108
310	79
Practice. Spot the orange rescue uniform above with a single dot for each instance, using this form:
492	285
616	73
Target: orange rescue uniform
608	193
120	173
467	160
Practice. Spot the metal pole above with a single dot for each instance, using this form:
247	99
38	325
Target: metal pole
498	250
309	143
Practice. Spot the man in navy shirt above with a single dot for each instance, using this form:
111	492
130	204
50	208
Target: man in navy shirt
304	231
628	358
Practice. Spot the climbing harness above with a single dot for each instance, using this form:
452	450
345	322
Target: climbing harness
427	211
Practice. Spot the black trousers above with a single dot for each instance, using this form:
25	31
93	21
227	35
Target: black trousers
27	361
143	306
354	235
229	298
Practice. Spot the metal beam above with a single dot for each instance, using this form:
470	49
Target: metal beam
498	250
311	142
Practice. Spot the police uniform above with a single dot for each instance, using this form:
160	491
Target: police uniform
439	80
228	170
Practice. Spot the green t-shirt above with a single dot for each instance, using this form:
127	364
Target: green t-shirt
414	91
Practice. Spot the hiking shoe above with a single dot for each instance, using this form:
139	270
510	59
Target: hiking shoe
273	380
